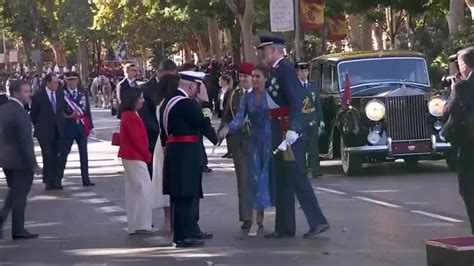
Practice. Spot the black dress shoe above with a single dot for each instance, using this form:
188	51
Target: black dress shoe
49	187
58	187
89	184
206	169
318	230
226	155
24	235
188	243
203	235
260	225
246	225
317	174
279	235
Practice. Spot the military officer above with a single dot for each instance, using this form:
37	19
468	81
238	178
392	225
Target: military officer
77	126
291	109
182	121
239	143
313	163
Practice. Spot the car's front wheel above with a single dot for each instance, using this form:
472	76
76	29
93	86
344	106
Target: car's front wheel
351	163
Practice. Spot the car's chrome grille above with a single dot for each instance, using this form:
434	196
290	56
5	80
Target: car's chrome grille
406	117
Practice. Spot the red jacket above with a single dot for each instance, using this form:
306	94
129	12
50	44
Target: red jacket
133	138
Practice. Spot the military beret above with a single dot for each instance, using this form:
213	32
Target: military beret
246	68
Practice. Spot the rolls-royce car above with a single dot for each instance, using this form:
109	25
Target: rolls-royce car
392	113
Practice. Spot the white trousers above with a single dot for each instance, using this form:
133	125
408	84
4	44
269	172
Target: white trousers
138	195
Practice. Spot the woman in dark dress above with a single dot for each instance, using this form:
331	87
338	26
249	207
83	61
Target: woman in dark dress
254	107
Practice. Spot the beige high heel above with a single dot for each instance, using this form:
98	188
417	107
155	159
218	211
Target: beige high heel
253	230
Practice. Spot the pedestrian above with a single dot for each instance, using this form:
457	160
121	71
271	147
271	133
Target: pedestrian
238	142
460	107
77	126
290	106
17	157
254	107
225	82
313	163
128	82
135	155
47	115
181	122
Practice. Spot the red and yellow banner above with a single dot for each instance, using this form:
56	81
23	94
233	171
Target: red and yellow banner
312	14
337	27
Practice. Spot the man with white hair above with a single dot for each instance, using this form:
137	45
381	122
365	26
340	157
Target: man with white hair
181	122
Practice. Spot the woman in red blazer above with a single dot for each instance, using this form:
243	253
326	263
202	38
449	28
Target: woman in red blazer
135	156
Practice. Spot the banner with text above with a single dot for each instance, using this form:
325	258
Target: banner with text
282	15
312	14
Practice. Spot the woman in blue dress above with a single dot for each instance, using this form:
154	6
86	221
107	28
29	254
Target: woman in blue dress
254	107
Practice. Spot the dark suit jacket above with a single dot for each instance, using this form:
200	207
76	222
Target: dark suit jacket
3	99
16	141
122	86
73	129
148	112
48	125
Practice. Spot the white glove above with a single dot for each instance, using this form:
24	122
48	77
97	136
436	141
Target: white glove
283	146
321	125
291	137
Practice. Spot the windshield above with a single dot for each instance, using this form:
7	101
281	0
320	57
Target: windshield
377	70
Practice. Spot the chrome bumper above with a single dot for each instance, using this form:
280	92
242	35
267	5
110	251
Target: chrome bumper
387	149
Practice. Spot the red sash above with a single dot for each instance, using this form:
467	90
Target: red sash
281	114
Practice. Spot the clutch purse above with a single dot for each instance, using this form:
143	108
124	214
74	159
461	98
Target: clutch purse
116	138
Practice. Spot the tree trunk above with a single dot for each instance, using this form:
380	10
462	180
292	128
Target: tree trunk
235	33
59	54
214	41
354	28
27	47
470	4
246	20
366	29
410	33
201	48
390	27
83	62
455	16
377	35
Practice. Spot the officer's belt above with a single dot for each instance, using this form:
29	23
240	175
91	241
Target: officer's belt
182	139
281	114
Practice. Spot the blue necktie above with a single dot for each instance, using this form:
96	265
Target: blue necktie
53	101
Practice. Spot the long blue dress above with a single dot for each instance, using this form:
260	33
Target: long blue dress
260	147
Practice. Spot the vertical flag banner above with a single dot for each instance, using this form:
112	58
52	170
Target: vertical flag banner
312	14
337	27
347	97
282	16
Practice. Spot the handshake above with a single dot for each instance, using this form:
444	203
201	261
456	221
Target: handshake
222	134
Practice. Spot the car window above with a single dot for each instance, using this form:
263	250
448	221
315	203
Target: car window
316	75
330	78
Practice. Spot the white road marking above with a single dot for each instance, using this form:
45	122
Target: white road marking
73	188
96	201
118	219
437	216
417	203
379	202
378	191
109	209
432	224
85	194
331	191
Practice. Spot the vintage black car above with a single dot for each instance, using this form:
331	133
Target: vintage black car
394	113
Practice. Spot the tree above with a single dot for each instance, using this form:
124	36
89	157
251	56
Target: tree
244	12
455	15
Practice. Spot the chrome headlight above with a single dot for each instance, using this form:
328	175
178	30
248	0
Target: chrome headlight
436	106
375	110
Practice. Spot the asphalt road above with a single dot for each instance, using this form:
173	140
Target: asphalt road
380	218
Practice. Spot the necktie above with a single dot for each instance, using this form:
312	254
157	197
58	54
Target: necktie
134	84
74	94
305	85
53	101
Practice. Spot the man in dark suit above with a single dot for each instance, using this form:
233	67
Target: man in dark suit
77	126
17	157
148	111
181	122
291	111
3	94
127	83
460	107
47	115
314	167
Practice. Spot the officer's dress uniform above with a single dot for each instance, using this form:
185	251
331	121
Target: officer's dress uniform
74	130
313	162
291	109
181	126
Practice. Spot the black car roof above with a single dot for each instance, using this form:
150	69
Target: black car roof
339	57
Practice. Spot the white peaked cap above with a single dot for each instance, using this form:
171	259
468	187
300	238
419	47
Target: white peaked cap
193	76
